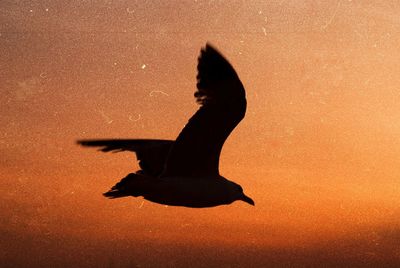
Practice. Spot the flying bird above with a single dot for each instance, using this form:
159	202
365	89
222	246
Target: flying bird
185	172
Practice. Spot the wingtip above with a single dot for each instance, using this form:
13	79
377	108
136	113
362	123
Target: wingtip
79	142
209	47
208	51
82	143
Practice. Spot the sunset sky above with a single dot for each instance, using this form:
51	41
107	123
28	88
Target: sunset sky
318	150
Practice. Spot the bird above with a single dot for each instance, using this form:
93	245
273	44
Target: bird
185	172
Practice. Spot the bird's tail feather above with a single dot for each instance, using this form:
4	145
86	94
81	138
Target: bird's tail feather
126	187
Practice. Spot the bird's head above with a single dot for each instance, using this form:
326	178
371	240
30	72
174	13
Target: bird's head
238	194
241	196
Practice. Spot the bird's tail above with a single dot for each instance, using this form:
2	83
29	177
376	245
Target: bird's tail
126	187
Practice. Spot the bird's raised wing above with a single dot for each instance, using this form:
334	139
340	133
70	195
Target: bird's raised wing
150	153
222	98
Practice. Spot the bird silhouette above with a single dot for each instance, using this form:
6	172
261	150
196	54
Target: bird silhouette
185	172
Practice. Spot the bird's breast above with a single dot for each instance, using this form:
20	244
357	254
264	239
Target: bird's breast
189	192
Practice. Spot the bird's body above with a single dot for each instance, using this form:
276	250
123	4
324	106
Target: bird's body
185	172
193	192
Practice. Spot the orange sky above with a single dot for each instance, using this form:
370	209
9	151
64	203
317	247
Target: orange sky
318	151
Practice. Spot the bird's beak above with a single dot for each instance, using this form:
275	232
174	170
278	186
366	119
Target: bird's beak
247	199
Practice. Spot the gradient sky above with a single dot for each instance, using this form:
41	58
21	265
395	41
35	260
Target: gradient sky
318	151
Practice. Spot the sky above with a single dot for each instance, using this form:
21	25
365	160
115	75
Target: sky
318	150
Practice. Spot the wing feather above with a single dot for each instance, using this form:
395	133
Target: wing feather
151	154
221	95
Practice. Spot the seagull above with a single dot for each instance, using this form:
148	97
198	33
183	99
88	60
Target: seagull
185	172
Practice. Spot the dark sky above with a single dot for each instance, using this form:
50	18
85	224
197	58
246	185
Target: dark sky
319	149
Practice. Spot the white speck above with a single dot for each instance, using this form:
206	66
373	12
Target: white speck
47	10
115	63
329	22
27	89
130	11
266	19
143	66
264	31
136	119
289	131
141	204
260	12
358	33
151	94
105	117
31	10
